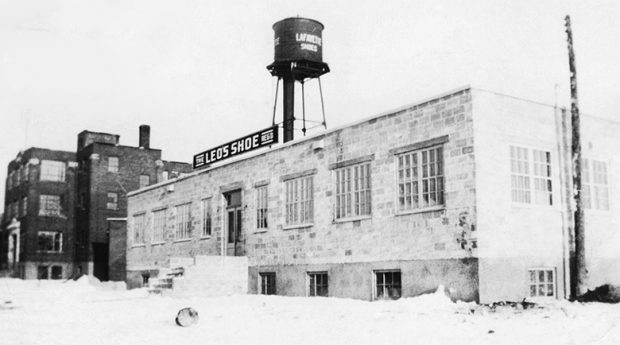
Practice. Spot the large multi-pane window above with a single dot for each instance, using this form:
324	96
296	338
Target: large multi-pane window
267	283
113	164
388	285
299	201
261	207
206	217
139	223
25	171
594	185
421	179
49	241
49	205
52	170
317	284
530	176
182	222
353	196
159	225
542	282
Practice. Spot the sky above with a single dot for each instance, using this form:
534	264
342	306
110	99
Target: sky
194	70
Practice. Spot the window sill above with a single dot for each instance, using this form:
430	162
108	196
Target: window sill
48	252
297	226
138	245
525	206
208	237
420	210
158	243
182	240
260	231
351	219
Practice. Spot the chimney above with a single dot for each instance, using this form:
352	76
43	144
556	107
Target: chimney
145	134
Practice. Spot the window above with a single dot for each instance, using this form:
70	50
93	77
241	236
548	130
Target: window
267	283
542	282
15	209
145	279
9	181
25	172
52	171
49	205
206	217
113	164
159	225
145	180
317	284
521	176
594	185
18	176
388	285
183	222
24	206
56	272
261	207
299	201
353	191
49	241
42	272
112	202
138	228
420	179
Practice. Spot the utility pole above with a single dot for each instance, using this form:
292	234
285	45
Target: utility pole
579	272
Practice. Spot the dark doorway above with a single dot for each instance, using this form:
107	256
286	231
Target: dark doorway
233	219
100	260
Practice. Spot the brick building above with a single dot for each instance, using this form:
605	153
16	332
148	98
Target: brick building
61	206
469	189
38	217
107	172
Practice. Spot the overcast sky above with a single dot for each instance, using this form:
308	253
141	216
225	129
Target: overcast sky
194	70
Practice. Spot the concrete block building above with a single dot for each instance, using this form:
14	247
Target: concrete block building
38	218
469	189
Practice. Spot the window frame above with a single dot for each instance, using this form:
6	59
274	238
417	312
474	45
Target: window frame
141	179
156	239
349	189
206	210
375	286
139	232
263	283
537	283
311	290
56	242
532	176
111	205
44	201
299	211
439	168
113	168
262	207
595	194
54	171
186	230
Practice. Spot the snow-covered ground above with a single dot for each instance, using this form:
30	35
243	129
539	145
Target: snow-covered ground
87	312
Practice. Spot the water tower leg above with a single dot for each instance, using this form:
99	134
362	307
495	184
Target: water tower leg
289	107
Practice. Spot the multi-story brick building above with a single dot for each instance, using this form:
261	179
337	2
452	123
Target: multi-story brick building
58	204
38	213
107	172
469	190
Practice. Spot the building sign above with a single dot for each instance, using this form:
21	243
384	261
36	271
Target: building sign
248	143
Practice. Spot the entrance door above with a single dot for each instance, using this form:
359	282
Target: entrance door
233	219
100	260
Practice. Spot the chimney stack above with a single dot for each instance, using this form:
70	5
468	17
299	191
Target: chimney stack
145	134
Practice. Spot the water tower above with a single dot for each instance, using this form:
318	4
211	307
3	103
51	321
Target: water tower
298	56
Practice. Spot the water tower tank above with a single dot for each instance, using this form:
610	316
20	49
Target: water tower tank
298	39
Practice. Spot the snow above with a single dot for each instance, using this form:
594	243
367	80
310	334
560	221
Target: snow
87	311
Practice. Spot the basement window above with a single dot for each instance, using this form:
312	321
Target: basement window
388	285
267	283
317	284
542	282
